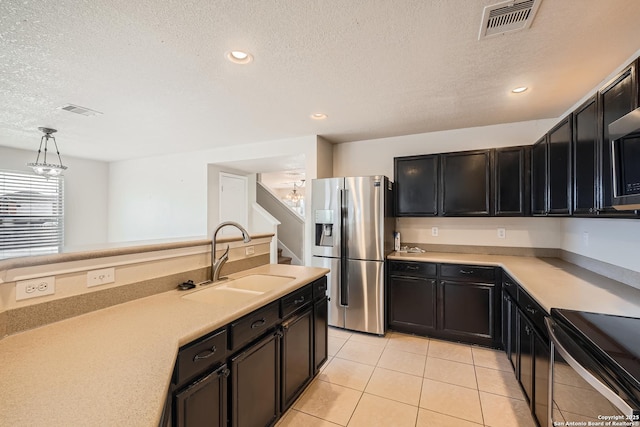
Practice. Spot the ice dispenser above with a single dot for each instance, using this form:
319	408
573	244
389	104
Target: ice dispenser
324	227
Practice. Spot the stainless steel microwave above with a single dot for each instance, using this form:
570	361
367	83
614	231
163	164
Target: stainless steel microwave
624	134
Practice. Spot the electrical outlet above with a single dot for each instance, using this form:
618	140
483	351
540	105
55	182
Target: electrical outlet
585	238
101	277
249	250
434	231
502	233
33	288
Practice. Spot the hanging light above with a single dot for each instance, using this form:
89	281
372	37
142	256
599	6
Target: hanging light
294	196
43	168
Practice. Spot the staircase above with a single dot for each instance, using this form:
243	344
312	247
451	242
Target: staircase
283	259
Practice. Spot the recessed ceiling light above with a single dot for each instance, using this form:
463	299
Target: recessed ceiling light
318	116
519	89
239	57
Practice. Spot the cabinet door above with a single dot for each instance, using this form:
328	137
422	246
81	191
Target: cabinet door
466	310
416	185
321	322
255	384
525	355
412	304
297	356
466	183
510	182
616	99
542	360
203	403
539	177
585	165
559	181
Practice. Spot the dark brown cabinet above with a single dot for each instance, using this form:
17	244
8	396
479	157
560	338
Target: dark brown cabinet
412	301
585	158
416	185
297	355
320	326
511	183
203	403
559	181
466	183
539	177
541	362
255	383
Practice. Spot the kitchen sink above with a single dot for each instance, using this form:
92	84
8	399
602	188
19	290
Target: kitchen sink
257	282
222	296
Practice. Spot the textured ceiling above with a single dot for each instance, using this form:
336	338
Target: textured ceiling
377	68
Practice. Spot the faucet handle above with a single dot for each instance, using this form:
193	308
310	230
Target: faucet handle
225	255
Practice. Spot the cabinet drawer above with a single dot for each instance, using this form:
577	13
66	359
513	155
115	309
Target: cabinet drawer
534	312
510	286
295	300
197	357
472	273
413	269
320	288
253	325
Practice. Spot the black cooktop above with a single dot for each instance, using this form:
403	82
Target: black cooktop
614	340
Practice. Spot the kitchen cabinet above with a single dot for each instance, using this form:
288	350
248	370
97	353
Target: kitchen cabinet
412	299
203	403
511	181
539	176
585	158
510	321
416	185
465	183
320	323
449	301
559	168
541	363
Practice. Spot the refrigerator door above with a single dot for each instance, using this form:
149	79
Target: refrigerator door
336	311
365	310
327	216
364	225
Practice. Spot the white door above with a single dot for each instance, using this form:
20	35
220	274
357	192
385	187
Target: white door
233	202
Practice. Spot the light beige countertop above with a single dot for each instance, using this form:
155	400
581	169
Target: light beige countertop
552	282
112	367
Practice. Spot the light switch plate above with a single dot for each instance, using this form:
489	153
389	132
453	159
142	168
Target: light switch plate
101	277
502	233
249	250
434	231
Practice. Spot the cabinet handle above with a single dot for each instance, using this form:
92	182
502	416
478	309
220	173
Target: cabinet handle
531	310
527	329
225	372
205	354
258	323
298	301
508	284
413	267
463	271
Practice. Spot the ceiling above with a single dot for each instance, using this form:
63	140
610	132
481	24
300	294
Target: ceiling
158	73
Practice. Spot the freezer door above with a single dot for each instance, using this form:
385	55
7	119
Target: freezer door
365	311
326	211
336	311
365	217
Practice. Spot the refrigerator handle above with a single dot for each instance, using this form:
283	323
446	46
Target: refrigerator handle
344	274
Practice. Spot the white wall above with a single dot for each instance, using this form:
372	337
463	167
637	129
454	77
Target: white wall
85	194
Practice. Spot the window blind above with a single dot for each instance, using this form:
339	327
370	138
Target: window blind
31	214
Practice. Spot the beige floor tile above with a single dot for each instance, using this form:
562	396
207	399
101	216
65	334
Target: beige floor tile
375	411
502	411
450	351
408	343
360	352
334	345
369	338
493	359
395	385
450	372
295	418
402	361
498	382
326	363
450	399
434	419
347	373
339	333
329	402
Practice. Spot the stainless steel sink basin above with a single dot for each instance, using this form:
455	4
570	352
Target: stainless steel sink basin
221	296
258	282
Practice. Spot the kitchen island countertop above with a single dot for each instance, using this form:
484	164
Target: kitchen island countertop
113	366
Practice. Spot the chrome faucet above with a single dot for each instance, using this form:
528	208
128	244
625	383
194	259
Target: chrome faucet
216	264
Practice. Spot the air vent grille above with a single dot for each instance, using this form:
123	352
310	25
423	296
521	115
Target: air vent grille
507	17
79	110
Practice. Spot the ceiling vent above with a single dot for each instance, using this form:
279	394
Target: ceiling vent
507	17
79	110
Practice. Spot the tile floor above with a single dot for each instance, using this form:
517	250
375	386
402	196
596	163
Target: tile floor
402	380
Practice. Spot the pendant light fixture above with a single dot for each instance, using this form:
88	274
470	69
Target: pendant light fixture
43	168
294	196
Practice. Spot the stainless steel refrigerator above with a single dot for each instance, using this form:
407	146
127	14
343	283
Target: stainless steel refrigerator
353	232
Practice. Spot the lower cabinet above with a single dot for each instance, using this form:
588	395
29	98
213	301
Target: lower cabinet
320	328
203	403
412	304
467	310
541	362
255	383
297	356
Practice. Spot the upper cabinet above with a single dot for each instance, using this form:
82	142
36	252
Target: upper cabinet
466	183
585	158
416	185
559	140
511	181
539	177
